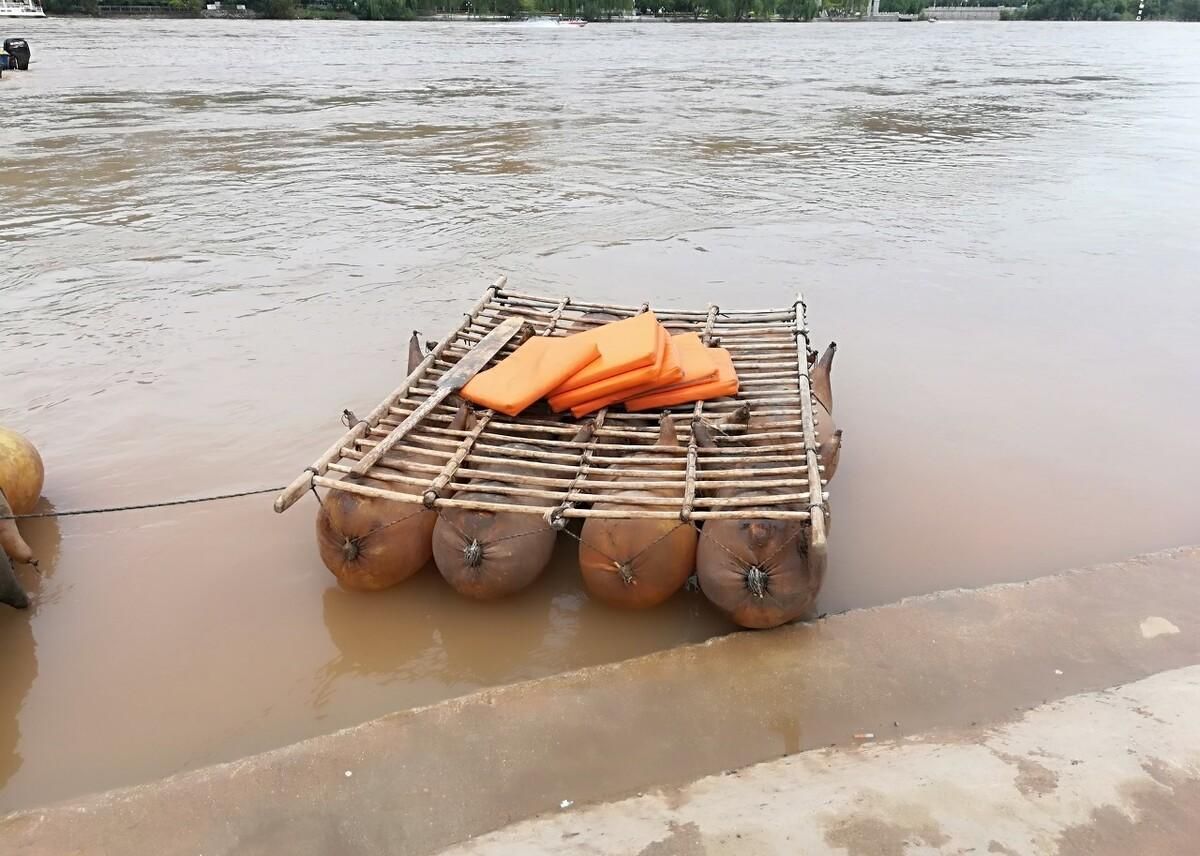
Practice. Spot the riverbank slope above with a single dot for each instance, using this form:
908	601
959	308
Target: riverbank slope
422	780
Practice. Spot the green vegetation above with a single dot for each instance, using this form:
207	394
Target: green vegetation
1068	10
63	7
797	10
1108	10
1075	10
182	8
600	10
273	8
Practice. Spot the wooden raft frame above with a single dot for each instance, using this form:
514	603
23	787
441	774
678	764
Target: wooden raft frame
770	351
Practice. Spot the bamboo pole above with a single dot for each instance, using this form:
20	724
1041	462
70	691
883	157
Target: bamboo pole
400	464
705	476
632	498
498	428
490	442
301	483
693	454
726	457
464	448
407	463
733	513
818	550
513	298
493	437
817	501
723	514
468	442
555	516
509	452
445	413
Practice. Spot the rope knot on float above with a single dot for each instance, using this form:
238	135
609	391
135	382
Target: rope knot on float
350	420
350	549
625	570
473	554
756	581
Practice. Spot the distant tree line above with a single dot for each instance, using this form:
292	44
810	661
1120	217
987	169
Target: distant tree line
1109	10
600	10
592	10
92	7
1066	10
407	10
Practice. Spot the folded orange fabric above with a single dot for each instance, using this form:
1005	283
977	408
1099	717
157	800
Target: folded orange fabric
694	362
694	358
725	383
530	372
668	370
624	345
623	384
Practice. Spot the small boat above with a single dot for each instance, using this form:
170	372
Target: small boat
562	22
15	55
21	9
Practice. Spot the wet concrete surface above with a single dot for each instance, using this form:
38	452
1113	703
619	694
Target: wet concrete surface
1096	774
424	779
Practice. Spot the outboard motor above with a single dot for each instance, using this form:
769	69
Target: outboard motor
18	53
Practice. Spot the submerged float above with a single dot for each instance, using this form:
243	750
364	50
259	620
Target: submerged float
22	476
731	489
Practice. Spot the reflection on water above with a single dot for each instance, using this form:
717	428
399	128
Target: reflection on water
20	671
18	647
423	631
205	261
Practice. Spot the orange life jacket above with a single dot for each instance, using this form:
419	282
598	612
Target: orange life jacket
625	345
725	383
667	370
539	365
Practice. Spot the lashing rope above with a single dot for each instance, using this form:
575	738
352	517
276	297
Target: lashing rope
757	575
475	550
625	567
756	581
350	546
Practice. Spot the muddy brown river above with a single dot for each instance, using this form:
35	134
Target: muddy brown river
216	235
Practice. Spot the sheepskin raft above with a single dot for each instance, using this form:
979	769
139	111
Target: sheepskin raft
773	459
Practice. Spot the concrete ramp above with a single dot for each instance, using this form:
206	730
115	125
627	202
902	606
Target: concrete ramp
419	781
1111	773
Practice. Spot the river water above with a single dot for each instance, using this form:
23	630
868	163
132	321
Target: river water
216	235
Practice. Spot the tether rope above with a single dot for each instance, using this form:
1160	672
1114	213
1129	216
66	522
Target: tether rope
76	512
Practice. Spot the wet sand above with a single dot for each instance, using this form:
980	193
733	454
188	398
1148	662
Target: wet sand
206	262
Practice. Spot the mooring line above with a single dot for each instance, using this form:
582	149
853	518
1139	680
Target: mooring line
141	506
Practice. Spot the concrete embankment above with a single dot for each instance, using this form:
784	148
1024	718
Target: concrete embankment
422	780
1111	773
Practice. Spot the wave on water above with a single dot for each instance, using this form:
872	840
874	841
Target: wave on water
536	23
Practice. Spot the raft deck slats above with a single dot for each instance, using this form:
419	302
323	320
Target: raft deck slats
773	463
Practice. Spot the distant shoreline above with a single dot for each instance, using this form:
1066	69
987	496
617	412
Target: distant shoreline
981	14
